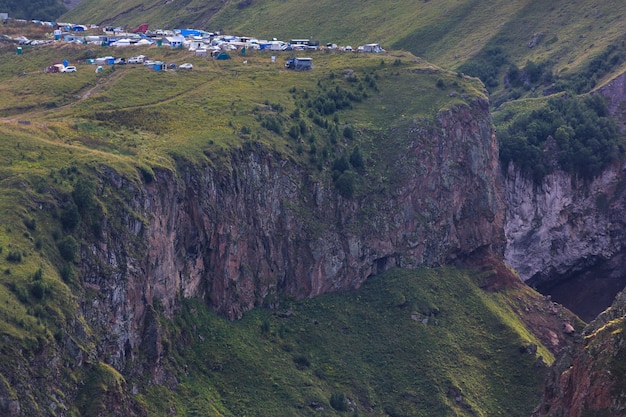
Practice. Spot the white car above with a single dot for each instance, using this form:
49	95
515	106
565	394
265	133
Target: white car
186	65
71	68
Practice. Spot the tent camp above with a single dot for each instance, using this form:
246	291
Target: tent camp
222	56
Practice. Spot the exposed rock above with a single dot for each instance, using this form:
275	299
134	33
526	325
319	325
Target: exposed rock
259	227
250	230
562	228
569	231
589	378
615	92
536	38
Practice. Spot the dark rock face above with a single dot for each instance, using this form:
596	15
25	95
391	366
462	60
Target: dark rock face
567	235
589	378
258	228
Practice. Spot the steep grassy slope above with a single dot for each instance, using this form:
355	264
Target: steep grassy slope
419	343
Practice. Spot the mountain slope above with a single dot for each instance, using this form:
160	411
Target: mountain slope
136	201
36	9
447	32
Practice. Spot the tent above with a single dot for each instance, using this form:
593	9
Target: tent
222	56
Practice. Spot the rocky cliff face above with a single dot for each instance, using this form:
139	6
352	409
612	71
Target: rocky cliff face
563	229
257	228
589	379
565	236
566	231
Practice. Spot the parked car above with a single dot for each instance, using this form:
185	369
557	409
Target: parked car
186	65
71	68
120	61
136	60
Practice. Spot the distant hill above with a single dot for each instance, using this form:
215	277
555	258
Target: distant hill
33	9
560	35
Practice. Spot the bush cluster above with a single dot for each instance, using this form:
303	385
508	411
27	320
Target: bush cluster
487	65
605	62
494	62
338	401
585	138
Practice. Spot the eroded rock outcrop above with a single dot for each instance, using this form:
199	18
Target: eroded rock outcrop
259	227
589	379
563	228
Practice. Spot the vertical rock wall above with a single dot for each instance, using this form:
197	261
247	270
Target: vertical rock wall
260	227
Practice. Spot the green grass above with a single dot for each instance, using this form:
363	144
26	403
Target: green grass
207	109
406	343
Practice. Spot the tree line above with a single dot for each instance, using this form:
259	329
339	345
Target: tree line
572	133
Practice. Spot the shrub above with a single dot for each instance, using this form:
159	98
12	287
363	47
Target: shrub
66	272
346	183
31	224
84	196
70	217
38	275
14	256
294	132
265	326
301	362
341	164
348	132
272	124
39	290
338	401
58	334
356	158
67	248
146	174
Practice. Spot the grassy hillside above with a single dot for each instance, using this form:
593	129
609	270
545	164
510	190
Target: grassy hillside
35	9
523	49
419	343
565	34
221	104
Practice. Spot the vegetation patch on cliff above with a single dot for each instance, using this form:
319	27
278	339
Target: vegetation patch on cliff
571	133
